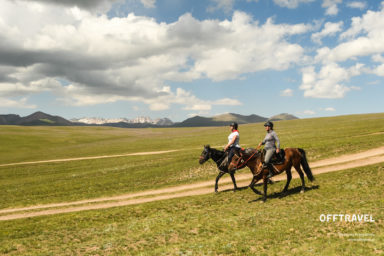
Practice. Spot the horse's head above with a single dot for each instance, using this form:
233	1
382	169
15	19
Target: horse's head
205	155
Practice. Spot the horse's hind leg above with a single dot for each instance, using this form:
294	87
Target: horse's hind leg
298	169
233	180
217	180
265	180
289	178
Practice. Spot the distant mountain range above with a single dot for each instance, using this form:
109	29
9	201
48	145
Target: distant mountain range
40	118
220	120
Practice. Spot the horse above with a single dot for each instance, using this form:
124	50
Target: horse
217	156
254	161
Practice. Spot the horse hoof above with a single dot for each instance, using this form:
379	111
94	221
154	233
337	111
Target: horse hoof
302	192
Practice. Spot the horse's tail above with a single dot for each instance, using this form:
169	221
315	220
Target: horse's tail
305	165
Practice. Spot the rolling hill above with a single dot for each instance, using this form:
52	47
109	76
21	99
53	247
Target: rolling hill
37	118
223	119
283	116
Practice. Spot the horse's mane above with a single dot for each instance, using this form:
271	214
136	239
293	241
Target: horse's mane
215	153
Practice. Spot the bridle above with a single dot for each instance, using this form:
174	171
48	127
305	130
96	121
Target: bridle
206	156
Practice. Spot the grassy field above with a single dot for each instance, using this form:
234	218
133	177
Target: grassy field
24	185
224	224
227	223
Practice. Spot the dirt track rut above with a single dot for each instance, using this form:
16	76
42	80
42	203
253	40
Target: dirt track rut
369	157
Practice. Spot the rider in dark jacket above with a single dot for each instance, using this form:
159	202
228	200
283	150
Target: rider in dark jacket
269	143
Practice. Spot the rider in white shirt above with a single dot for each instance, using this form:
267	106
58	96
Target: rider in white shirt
233	141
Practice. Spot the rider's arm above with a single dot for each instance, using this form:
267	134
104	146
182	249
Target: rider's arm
262	142
277	142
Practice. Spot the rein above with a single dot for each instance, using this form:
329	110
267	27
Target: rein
245	162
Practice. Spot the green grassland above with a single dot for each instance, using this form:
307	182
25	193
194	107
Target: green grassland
224	224
24	185
227	223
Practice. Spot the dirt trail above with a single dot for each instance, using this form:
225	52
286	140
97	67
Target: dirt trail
369	157
88	158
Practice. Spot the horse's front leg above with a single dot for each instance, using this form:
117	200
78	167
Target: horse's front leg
252	185
217	180
233	180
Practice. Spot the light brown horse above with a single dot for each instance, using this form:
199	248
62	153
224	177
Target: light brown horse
254	161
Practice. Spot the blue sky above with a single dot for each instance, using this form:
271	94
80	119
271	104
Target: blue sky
180	58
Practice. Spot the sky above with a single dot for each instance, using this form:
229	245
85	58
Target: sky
181	58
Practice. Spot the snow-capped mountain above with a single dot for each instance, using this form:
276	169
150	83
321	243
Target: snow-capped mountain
96	120
137	120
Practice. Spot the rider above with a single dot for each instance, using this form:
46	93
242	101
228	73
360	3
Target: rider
233	141
270	142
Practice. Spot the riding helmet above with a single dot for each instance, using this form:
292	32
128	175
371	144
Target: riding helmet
269	123
234	125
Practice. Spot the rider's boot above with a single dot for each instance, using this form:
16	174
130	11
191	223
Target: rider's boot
271	171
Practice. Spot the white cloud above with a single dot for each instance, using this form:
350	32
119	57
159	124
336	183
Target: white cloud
328	82
149	3
331	6
246	47
224	5
91	5
131	58
330	109
291	4
364	38
357	45
308	112
286	93
329	29
378	58
227	102
370	25
16	103
357	5
379	70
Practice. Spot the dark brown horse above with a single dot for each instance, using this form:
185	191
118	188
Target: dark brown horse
254	160
217	156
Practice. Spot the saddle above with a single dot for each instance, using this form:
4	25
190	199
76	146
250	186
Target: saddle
277	158
223	166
